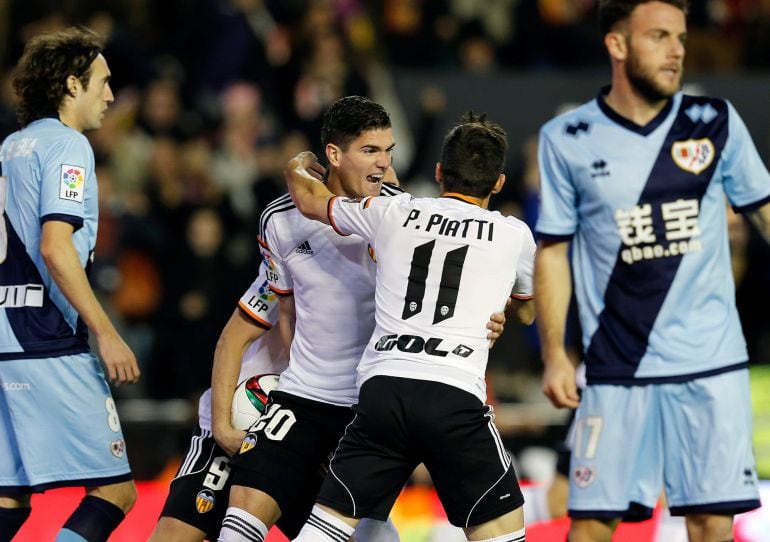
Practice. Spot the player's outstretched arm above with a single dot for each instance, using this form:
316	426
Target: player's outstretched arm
64	265
235	338
304	177
552	294
761	219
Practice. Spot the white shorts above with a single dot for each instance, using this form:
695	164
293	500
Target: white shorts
693	438
58	425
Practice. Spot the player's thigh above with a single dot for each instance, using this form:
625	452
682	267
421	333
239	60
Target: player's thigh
616	464
64	422
170	529
709	459
374	458
464	453
507	523
199	492
284	454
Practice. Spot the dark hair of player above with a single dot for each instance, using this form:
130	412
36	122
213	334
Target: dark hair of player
473	156
349	117
48	60
612	12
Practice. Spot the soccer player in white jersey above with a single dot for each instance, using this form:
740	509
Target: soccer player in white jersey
442	264
328	282
197	499
58	423
636	178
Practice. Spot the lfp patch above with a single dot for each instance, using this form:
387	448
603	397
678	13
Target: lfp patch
73	180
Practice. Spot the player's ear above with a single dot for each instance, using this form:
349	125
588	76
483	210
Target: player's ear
499	184
439	173
617	45
73	85
333	153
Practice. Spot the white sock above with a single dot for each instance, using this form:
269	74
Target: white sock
535	504
241	526
516	536
372	530
321	526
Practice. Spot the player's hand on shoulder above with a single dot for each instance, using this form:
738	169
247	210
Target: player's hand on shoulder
118	359
228	438
308	162
559	383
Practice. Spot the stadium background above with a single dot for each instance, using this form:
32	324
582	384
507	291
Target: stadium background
213	96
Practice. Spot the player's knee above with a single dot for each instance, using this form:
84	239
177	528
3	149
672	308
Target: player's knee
122	495
707	527
592	530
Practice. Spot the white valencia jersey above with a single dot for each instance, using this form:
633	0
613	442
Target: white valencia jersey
444	265
265	355
332	280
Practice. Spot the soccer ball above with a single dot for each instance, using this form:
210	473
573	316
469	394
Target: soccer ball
250	398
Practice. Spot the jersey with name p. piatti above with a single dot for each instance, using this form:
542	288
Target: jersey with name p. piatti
443	266
645	209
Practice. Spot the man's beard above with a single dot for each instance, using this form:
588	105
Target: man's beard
644	83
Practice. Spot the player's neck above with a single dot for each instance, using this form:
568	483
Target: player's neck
631	104
334	184
69	119
481	202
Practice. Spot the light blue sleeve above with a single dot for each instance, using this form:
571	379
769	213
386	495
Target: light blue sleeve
746	179
67	178
558	198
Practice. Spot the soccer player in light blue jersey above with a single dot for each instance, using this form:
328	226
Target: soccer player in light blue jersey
58	423
636	179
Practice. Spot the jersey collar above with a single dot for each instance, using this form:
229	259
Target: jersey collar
647	129
461	197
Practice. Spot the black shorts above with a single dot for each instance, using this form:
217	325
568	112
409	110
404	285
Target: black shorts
200	491
286	454
402	422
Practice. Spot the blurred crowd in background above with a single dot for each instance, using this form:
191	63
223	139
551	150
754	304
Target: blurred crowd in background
214	96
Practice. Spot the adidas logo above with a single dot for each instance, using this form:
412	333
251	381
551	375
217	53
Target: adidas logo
304	248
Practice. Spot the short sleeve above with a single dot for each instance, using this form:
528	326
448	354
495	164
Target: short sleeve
558	200
277	275
361	216
525	268
67	179
746	179
259	302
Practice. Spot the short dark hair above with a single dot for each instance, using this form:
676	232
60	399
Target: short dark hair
611	12
349	117
48	60
473	156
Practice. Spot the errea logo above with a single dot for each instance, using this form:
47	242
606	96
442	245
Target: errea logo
576	129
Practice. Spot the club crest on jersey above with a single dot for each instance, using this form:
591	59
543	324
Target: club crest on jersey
205	501
118	448
584	476
693	155
249	441
73	179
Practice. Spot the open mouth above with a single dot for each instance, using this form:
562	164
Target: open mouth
374	179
